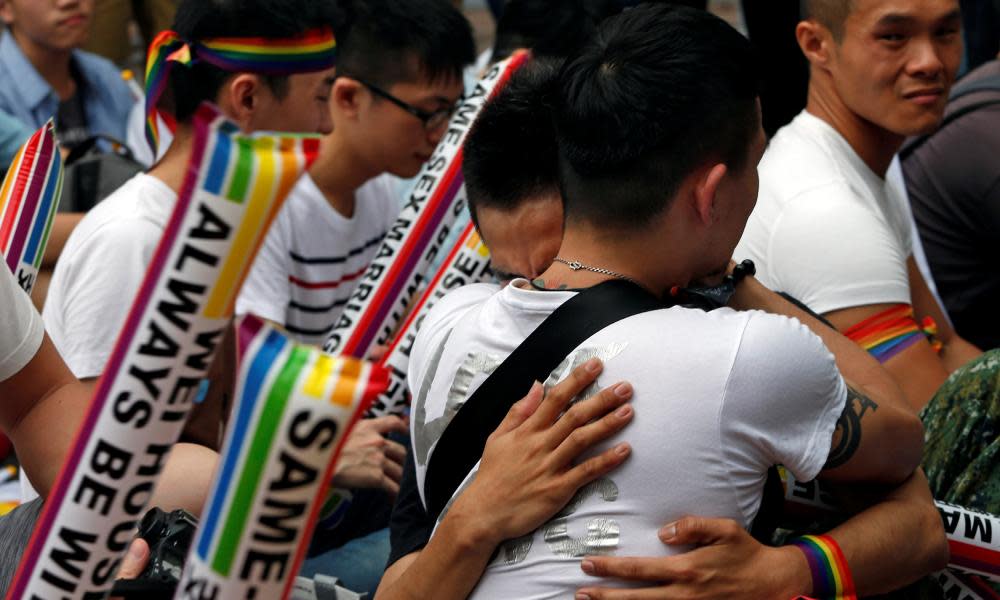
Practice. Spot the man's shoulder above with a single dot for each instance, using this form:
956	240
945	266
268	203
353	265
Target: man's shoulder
459	301
100	71
135	213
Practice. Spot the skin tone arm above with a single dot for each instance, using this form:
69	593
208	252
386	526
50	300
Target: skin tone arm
526	476
892	445
42	410
728	563
918	370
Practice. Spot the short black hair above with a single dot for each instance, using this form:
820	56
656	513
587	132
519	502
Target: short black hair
510	154
379	38
549	28
204	19
658	92
830	13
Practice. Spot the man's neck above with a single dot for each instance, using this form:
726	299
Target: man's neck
875	145
52	65
627	255
172	168
338	172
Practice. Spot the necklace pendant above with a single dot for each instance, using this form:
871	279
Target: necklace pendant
575	265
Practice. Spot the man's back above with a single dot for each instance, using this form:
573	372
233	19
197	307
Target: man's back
720	397
826	228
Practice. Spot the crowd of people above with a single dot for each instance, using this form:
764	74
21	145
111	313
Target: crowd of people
713	255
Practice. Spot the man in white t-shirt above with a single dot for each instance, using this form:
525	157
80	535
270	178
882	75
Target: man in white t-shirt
42	407
827	228
399	77
719	396
105	259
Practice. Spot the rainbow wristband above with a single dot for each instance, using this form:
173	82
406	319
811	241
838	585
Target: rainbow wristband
830	574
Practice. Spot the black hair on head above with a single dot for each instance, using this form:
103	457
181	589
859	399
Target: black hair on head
829	13
510	154
549	28
657	93
204	19
381	39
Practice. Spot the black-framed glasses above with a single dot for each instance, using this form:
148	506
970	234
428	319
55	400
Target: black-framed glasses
431	120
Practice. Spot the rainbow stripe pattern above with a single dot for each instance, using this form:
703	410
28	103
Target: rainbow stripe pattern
28	202
235	185
314	50
393	277
292	401
890	332
831	576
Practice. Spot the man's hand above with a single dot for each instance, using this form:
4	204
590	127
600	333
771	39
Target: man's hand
528	470
727	563
135	559
369	460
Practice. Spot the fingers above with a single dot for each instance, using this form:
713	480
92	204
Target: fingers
395	452
393	470
522	409
390	486
562	394
574	443
388	424
700	531
135	560
595	407
657	593
598	466
631	568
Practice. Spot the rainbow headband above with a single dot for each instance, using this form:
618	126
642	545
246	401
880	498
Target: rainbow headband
312	51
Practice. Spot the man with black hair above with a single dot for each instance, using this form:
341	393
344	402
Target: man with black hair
106	257
514	196
642	206
399	79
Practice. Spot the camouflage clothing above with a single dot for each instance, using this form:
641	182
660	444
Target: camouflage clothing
962	424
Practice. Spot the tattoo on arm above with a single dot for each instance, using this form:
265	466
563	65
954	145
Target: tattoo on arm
847	435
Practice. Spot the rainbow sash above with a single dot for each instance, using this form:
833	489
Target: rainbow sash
468	262
312	51
28	202
235	185
295	406
382	297
890	332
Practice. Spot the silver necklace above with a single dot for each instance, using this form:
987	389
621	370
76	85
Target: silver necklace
576	265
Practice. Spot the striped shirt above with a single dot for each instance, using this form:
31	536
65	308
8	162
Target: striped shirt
313	257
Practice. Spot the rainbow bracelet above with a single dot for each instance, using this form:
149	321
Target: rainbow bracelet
830	574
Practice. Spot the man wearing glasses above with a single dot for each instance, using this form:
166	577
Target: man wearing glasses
399	78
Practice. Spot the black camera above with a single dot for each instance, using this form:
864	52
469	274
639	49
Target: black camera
169	536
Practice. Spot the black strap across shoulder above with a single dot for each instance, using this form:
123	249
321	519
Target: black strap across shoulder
580	317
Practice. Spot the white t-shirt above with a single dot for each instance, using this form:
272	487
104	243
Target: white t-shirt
313	256
101	269
719	398
826	228
21	329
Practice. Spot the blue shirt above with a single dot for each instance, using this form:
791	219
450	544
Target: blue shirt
13	134
30	99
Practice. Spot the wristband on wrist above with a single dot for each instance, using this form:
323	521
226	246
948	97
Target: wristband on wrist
830	573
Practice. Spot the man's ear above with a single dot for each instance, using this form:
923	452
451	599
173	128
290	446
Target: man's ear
345	97
706	190
815	41
240	98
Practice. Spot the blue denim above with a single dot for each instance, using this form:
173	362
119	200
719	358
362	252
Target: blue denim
31	100
358	564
